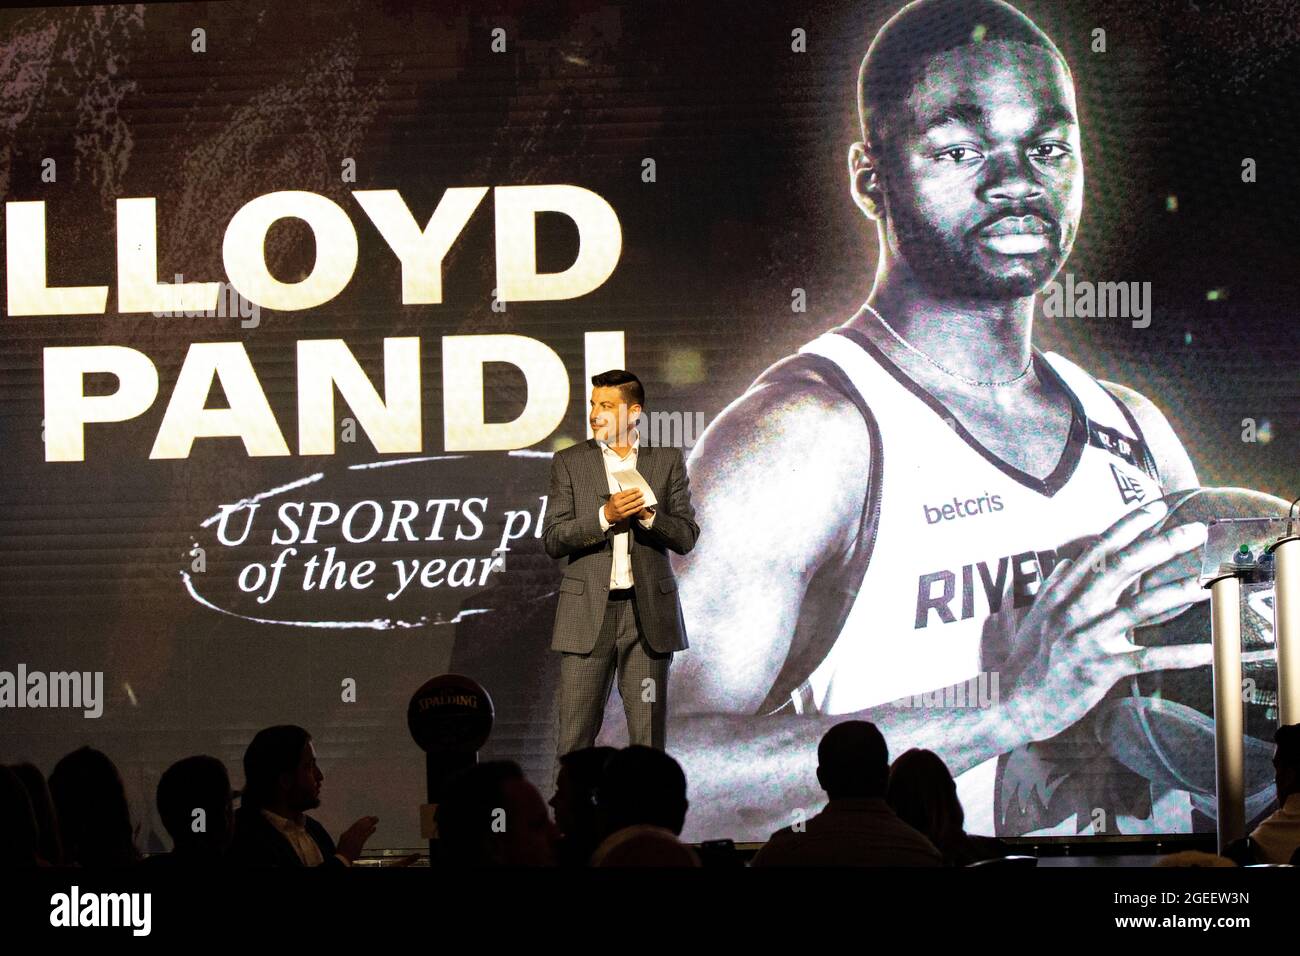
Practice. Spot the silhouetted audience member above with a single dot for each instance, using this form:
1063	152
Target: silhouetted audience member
93	815
490	815
49	844
19	834
644	845
924	795
857	827
641	785
574	803
1277	837
1193	858
282	782
198	839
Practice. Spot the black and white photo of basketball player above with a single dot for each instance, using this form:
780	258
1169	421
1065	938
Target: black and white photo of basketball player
920	499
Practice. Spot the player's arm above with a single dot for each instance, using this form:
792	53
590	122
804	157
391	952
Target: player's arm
1172	460
782	478
779	481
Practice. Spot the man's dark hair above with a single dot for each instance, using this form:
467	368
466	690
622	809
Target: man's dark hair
273	751
586	765
194	782
920	31
465	812
853	761
578	818
642	785
628	385
1287	739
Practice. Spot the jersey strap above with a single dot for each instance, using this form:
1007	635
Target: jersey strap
1111	426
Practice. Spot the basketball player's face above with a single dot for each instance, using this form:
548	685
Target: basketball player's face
983	178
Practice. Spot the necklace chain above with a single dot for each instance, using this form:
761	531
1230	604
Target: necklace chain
947	371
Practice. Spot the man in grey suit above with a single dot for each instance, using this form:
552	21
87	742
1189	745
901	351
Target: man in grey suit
618	607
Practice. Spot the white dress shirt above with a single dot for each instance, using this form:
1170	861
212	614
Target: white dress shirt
308	849
620	573
1278	835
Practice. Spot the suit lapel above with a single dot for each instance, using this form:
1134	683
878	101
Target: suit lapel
645	462
598	482
596	468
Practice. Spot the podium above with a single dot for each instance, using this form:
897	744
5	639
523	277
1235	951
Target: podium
1243	558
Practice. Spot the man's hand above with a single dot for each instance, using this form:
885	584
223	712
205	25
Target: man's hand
1073	645
624	504
354	838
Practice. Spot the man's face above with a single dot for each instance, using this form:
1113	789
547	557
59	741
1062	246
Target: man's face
982	173
611	416
304	784
562	801
530	835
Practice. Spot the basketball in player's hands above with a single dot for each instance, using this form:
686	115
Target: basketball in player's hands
1073	645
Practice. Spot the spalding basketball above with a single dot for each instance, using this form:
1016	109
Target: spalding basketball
450	714
1162	726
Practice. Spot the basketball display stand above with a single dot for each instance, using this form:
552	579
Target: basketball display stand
450	717
1243	555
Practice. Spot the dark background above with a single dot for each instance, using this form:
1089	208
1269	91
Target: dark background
751	201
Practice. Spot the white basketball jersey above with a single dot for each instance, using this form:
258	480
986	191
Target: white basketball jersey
962	539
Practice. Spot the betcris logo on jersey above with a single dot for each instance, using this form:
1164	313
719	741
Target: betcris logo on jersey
962	508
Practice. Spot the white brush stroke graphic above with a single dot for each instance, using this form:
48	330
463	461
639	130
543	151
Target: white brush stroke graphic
374	624
402	461
245	502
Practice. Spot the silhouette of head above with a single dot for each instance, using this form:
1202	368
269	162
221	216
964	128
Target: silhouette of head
50	843
93	814
280	772
924	795
19	833
1193	858
490	815
574	802
641	785
190	785
644	845
1286	761
853	761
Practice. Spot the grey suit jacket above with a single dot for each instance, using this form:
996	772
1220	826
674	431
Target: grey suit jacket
572	532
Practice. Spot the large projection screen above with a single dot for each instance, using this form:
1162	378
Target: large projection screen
301	300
